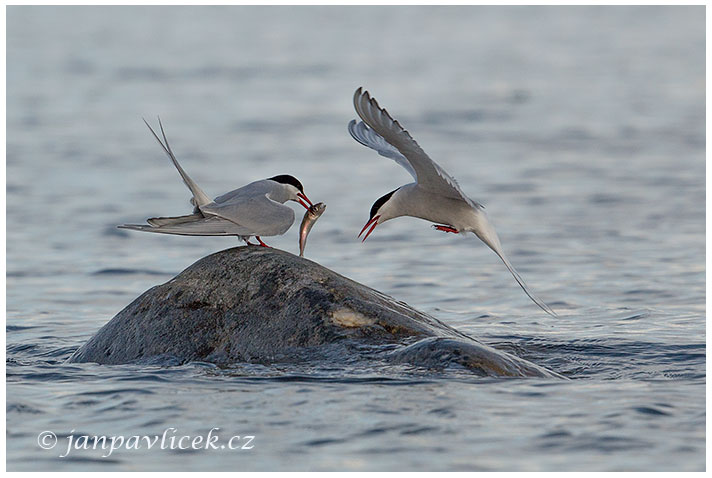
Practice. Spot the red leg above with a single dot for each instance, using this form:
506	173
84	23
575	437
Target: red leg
260	241
445	228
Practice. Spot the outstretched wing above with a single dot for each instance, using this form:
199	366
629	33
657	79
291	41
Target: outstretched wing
427	172
369	138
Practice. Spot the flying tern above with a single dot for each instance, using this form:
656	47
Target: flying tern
256	209
434	196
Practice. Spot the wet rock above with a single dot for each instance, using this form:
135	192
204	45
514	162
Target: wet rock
254	304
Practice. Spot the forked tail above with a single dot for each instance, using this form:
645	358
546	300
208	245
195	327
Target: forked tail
524	287
199	197
487	234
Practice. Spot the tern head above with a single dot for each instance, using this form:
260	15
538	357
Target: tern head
381	211
295	190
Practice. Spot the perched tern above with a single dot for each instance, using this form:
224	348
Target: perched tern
256	209
434	196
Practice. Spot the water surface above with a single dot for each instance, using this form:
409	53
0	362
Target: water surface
580	129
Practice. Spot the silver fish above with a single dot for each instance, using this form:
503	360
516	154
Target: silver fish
310	217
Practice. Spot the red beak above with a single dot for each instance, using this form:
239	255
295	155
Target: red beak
304	196
373	222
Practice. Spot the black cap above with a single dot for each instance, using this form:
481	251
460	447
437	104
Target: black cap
380	202
287	179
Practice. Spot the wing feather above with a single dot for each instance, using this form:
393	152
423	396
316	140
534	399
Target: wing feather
164	221
261	215
428	173
207	226
369	138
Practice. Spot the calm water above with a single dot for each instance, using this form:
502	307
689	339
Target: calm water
581	130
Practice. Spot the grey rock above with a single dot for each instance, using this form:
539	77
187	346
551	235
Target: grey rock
263	305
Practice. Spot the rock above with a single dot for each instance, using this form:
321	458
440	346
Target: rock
255	304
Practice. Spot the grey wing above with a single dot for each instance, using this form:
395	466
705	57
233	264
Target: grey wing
164	221
428	173
253	189
261	215
201	226
369	138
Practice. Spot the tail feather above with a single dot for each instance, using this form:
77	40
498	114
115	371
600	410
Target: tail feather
200	198
488	235
524	287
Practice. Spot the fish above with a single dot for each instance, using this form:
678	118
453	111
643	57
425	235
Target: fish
310	217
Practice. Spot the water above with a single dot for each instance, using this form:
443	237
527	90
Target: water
580	129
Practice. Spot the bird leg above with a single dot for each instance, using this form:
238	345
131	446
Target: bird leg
445	228
260	241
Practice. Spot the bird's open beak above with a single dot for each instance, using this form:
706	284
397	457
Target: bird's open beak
304	196
373	222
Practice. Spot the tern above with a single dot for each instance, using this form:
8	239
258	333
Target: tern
256	209
434	196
